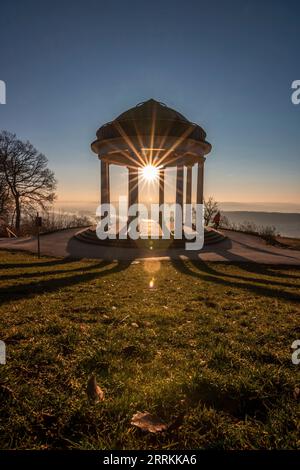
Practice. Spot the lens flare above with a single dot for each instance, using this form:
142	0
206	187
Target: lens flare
152	266
150	173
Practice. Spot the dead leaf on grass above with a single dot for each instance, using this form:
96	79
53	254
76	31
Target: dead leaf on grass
94	392
148	422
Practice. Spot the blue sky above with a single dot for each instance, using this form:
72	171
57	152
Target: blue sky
71	66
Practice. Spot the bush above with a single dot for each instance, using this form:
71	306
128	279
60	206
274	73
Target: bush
52	221
267	232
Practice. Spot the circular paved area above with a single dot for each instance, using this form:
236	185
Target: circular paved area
238	247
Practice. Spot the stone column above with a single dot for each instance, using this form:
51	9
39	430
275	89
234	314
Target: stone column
105	198
188	198
161	196
133	188
200	182
179	187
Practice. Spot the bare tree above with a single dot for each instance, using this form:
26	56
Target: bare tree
5	204
210	209
4	196
25	173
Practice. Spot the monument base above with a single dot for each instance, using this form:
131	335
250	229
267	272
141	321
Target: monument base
89	235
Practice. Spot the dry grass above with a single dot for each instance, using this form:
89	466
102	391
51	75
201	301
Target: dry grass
207	348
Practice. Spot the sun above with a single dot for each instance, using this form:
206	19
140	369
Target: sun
150	172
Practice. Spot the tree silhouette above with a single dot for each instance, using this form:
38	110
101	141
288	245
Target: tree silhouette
210	209
25	175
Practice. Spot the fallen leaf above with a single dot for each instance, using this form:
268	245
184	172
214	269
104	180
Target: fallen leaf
94	392
296	393
148	422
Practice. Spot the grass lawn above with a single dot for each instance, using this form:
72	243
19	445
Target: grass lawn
206	347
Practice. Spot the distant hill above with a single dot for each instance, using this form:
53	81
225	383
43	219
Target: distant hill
286	224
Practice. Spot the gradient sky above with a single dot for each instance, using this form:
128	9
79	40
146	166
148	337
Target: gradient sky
71	66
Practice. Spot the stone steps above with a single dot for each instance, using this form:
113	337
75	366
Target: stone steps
89	235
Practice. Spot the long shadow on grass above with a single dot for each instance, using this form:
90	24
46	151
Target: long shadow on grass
206	273
271	270
254	269
238	403
38	264
22	291
40	274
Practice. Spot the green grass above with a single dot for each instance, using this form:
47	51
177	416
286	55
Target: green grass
208	349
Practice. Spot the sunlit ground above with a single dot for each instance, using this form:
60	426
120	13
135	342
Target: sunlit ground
206	347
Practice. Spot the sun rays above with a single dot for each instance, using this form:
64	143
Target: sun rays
147	156
150	173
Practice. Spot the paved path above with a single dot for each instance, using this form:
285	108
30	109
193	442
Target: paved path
237	247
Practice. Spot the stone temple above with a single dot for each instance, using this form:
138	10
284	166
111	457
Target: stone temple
152	135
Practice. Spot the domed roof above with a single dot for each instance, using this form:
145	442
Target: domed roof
151	116
147	109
